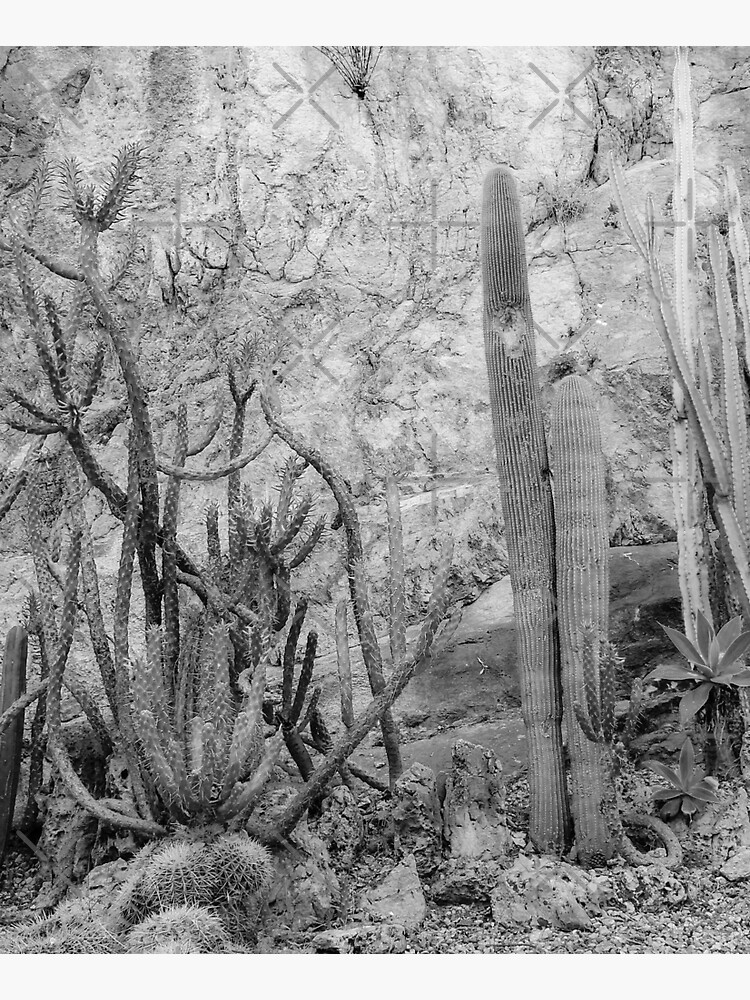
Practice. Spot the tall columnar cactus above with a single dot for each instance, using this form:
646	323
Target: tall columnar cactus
717	421
582	558
12	686
687	481
526	498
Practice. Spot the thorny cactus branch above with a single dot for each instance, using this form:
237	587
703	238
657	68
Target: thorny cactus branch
13	489
204	476
282	826
168	560
90	580
356	573
55	744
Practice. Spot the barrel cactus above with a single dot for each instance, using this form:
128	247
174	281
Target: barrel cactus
179	930
228	874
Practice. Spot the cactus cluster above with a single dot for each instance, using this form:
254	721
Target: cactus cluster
72	929
187	713
225	877
201	747
195	896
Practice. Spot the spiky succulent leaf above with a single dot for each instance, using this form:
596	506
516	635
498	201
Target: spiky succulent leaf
665	772
685	646
729	632
736	649
673	672
687	763
122	178
694	701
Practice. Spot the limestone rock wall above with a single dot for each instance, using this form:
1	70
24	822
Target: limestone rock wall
278	208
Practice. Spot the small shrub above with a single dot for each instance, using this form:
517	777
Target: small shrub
355	64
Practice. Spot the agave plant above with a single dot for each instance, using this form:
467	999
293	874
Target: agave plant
716	663
689	789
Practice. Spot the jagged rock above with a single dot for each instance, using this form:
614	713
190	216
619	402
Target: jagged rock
647	888
370	939
547	892
67	839
399	898
723	828
340	826
466	881
306	892
417	821
737	868
474	821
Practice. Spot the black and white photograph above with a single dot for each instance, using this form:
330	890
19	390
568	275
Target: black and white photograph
374	498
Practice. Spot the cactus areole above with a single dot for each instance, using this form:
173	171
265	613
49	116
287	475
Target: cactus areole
12	686
526	499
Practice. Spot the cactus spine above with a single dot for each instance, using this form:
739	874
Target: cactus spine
13	686
526	498
582	559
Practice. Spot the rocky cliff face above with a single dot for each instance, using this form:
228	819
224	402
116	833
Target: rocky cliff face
341	235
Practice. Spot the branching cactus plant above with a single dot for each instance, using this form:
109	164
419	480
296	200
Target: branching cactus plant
188	713
526	499
596	717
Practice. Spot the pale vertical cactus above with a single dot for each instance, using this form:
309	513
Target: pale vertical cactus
526	497
712	419
582	558
687	481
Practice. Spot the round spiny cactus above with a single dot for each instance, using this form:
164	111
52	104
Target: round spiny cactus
185	930
166	874
243	866
178	873
70	930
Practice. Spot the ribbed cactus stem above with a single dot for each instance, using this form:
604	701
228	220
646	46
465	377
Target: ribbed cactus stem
583	605
344	665
526	500
397	620
688	488
12	686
